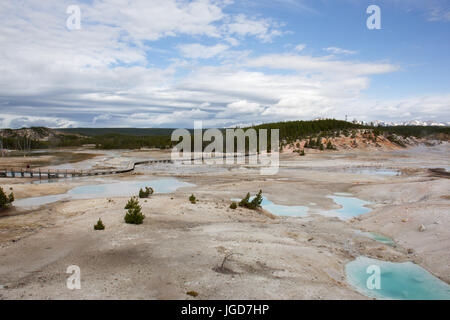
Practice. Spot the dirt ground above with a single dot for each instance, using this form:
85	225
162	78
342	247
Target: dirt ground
181	246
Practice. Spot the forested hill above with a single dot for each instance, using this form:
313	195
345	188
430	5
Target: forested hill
293	130
135	138
91	132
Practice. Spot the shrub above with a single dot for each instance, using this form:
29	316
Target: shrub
302	153
134	214
133	202
5	201
254	204
145	193
192	199
245	202
99	225
330	145
233	205
321	147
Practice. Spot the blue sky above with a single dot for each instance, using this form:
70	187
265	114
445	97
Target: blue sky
169	63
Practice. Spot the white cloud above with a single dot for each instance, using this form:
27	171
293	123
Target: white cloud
103	74
198	51
320	64
300	47
241	108
336	50
439	14
19	121
263	29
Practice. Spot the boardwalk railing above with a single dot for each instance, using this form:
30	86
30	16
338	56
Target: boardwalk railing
65	173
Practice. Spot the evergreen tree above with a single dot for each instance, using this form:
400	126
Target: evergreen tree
134	214
5	201
256	202
99	225
145	193
245	202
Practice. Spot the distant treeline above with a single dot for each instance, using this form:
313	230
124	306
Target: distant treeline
105	141
293	130
415	131
136	138
92	132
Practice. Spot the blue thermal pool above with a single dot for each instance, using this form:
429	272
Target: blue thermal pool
403	281
351	206
281	210
113	189
378	237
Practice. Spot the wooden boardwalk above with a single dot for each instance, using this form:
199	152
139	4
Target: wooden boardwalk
69	173
63	173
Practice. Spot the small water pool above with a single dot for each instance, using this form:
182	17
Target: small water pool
377	237
351	206
112	189
281	210
372	171
404	281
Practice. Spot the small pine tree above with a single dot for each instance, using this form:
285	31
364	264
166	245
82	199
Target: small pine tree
245	202
132	203
256	202
5	201
329	145
192	199
99	225
134	214
233	205
145	193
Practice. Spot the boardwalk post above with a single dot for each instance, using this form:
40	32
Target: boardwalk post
40	174
48	174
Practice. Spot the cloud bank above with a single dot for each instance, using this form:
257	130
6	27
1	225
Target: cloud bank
102	75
